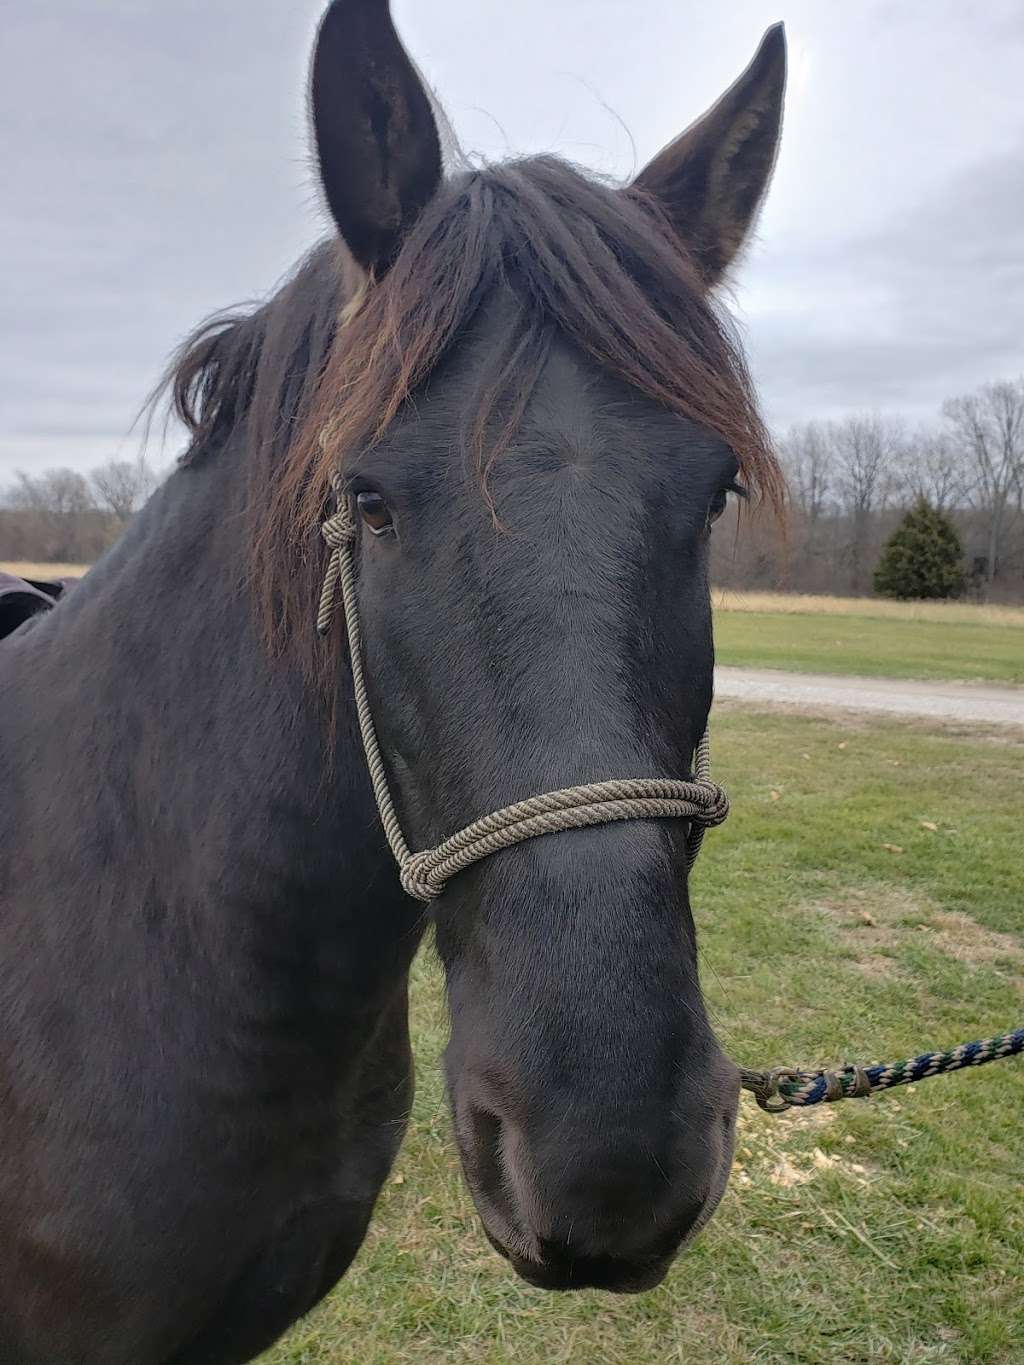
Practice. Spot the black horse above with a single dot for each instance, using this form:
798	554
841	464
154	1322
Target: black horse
205	1069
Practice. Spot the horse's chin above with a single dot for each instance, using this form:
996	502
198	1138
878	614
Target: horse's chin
564	1271
609	1273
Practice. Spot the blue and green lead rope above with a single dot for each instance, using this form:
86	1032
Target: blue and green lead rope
784	1088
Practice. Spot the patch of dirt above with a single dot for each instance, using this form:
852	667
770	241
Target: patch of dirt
787	1168
876	916
968	941
794	1121
877	967
786	1175
877	919
800	1120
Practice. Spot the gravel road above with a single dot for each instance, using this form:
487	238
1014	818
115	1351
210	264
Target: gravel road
936	700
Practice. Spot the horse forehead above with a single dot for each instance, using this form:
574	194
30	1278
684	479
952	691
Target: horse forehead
580	414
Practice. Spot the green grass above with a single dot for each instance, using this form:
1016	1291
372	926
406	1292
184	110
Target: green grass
864	1232
869	645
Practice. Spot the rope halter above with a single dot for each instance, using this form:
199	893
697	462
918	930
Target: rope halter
424	875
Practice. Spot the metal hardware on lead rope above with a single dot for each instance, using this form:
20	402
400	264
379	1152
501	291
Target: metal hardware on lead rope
425	874
783	1088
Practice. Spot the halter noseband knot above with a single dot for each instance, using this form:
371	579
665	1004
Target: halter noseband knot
414	875
425	874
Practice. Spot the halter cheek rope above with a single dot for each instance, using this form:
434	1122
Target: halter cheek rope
425	874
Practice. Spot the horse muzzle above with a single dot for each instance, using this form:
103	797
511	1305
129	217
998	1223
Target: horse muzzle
575	1210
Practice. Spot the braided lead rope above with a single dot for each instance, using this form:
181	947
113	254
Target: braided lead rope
425	874
783	1087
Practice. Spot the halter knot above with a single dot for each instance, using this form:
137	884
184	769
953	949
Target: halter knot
339	528
716	803
415	877
338	531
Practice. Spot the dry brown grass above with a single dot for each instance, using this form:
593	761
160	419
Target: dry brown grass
801	604
25	570
879	919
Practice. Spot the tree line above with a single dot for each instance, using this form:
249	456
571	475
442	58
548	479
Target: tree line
63	516
852	481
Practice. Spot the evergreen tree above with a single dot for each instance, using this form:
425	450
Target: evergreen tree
923	557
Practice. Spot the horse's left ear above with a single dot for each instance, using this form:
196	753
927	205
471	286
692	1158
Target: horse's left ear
712	178
376	139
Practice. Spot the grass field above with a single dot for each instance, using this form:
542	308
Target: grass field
865	900
948	641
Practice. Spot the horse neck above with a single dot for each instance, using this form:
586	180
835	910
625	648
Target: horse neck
201	765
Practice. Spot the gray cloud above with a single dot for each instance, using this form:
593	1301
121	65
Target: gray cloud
929	304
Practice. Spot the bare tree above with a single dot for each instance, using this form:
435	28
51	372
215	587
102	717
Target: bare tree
58	492
807	456
989	426
57	515
866	449
60	515
803	553
936	470
121	486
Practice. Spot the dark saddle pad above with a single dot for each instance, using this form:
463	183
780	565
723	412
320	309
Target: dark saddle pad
23	598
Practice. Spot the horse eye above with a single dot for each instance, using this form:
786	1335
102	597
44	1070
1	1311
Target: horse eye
719	501
374	512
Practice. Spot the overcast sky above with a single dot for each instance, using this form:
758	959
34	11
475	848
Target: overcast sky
156	168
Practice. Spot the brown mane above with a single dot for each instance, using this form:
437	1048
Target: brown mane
600	266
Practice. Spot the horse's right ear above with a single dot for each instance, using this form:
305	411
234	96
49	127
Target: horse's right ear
711	180
376	139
